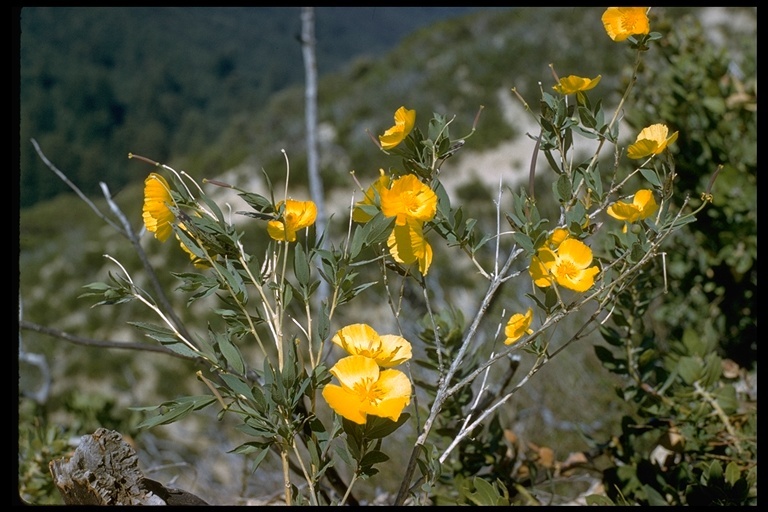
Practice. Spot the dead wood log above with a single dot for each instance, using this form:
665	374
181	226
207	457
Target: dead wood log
104	470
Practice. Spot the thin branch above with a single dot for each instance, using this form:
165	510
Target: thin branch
89	342
71	185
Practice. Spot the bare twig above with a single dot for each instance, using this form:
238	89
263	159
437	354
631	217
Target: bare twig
71	185
90	342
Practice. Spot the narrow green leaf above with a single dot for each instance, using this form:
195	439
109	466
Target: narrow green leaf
231	354
301	265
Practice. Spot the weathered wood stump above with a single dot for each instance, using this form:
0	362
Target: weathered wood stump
104	470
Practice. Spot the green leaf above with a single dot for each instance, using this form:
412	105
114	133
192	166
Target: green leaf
714	475
233	279
732	473
176	409
373	457
156	332
655	499
237	386
301	265
599	500
689	369
562	189
485	493
259	203
523	241
231	354
377	428
651	176
727	399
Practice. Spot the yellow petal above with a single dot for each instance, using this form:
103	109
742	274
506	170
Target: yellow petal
395	393
645	203
157	216
580	281
371	197
540	267
407	245
354	371
623	211
557	237
345	403
361	339
576	251
396	349
642	149
404	122
517	326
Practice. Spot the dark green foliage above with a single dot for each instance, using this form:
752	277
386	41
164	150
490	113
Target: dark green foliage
715	112
672	353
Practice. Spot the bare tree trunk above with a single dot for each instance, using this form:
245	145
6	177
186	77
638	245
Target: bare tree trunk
310	100
104	470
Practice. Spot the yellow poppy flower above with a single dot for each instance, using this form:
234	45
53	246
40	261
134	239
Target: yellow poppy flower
518	325
296	216
404	121
643	205
158	218
622	22
407	245
365	389
651	140
362	340
408	198
568	266
373	192
573	84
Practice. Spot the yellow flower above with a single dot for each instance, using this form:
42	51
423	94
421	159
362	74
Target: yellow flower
407	198
651	140
404	121
365	389
371	196
622	22
407	245
572	84
297	215
568	266
158	218
517	326
643	205
412	203
362	340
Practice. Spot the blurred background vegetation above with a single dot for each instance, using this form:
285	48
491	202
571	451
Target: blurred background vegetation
219	92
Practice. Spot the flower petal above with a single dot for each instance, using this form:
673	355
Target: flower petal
576	251
157	216
404	122
395	393
345	403
407	245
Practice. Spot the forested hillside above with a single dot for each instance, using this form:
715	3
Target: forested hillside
98	82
